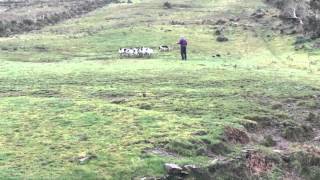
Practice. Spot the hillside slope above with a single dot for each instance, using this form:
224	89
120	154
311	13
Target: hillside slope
20	16
245	108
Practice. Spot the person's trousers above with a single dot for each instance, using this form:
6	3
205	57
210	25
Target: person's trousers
184	52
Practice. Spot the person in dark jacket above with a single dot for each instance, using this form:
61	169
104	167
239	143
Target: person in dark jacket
183	48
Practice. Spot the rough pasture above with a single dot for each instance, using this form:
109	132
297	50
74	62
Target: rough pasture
72	109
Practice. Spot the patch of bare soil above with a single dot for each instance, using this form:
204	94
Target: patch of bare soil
25	15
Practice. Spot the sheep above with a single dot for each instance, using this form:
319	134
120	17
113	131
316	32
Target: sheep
136	52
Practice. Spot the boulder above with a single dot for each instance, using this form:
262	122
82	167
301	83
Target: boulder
173	169
222	38
189	168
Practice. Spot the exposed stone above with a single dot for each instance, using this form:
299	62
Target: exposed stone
259	14
235	19
288	31
317	138
189	167
222	38
299	47
173	168
148	178
221	21
83	158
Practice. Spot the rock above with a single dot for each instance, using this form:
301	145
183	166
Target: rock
177	23
317	139
278	151
118	101
145	106
84	158
289	31
214	162
259	14
189	167
277	106
208	22
221	21
173	169
311	117
299	47
235	19
148	178
144	94
222	38
217	55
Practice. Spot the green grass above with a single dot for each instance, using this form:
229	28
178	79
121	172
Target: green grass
53	97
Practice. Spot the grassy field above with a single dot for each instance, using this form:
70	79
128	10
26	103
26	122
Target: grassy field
66	95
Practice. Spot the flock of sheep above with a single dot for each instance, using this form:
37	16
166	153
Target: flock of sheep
140	52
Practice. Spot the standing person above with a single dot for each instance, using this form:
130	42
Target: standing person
183	48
